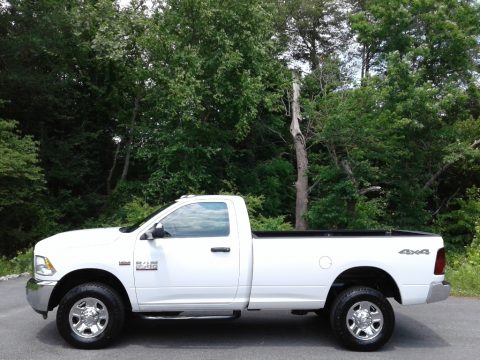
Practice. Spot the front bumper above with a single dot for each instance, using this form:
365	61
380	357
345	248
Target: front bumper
438	291
38	294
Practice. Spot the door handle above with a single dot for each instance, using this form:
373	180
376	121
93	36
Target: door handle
220	249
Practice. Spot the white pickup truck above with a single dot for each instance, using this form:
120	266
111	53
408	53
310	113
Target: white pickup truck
199	258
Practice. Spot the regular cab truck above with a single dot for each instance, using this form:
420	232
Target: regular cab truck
199	258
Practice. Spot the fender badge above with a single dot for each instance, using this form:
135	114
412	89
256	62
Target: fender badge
123	263
414	252
146	265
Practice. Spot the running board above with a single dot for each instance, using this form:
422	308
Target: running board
152	316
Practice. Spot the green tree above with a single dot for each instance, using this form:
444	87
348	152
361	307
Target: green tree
59	93
314	30
21	186
395	150
216	97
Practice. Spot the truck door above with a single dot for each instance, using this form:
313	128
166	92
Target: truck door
195	265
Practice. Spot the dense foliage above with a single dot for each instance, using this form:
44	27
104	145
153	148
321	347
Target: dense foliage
116	110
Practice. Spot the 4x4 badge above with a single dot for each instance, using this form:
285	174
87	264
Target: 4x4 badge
414	252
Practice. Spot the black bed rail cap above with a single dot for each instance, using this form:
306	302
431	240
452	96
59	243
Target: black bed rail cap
340	233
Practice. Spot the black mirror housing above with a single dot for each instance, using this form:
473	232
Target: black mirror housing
158	231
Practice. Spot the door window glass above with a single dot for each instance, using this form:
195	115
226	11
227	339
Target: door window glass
203	219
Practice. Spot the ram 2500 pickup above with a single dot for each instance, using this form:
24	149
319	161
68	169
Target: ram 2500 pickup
200	257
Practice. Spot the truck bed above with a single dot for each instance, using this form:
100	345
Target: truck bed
296	269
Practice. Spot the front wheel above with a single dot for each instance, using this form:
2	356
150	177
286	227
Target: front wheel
90	316
362	318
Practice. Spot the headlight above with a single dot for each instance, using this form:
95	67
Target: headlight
43	266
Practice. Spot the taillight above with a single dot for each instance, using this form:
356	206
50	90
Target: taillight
440	262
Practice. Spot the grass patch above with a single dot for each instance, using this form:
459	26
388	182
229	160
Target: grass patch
21	263
463	272
465	280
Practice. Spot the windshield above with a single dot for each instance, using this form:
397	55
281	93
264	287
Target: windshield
130	228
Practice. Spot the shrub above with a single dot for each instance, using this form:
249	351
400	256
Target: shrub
463	268
21	263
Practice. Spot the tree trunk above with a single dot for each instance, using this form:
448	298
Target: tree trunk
112	169
367	61
362	72
126	164
301	185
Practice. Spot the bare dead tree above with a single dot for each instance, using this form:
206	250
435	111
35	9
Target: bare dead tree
301	185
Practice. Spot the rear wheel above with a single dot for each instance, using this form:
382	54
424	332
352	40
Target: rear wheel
362	319
90	316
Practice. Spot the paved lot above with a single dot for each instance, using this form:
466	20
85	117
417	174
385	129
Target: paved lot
446	330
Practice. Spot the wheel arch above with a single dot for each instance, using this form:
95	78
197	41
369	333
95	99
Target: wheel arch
82	276
370	276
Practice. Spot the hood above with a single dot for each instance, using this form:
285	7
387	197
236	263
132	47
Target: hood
79	238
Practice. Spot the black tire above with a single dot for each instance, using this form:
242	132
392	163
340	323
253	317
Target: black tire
109	303
364	304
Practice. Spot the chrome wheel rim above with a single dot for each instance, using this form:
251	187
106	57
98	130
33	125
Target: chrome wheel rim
88	317
364	320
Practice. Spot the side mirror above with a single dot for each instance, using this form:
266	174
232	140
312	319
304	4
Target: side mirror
158	231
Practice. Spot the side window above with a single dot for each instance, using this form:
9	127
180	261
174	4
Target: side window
203	219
